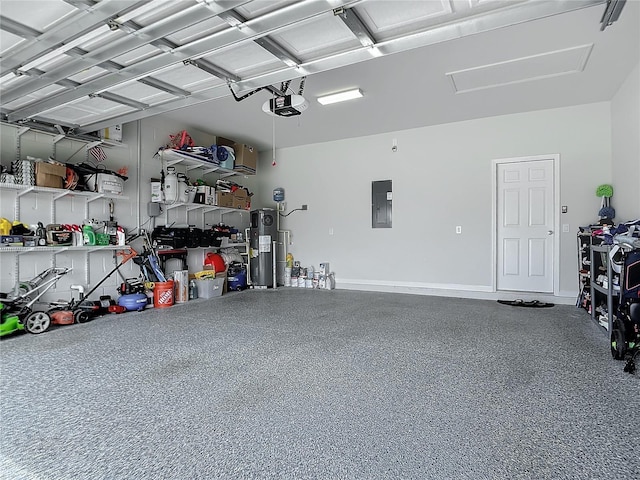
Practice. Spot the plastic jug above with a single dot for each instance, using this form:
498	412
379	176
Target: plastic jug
183	188
88	235
5	226
171	192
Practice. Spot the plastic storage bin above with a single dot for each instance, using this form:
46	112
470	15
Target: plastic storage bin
210	287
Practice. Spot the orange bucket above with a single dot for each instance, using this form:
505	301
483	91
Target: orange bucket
163	294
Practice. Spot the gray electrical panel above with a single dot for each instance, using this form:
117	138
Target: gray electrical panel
381	199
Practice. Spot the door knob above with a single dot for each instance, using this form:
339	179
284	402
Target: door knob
550	232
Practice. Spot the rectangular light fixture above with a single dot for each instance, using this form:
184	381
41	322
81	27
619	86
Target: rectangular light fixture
341	97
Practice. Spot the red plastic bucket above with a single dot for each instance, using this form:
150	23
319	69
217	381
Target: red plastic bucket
163	294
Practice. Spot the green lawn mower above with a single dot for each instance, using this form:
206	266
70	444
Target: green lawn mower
10	321
17	306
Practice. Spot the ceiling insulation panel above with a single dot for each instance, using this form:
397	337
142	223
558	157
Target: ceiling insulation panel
80	112
157	10
243	59
197	31
384	17
8	41
52	63
137	55
88	74
257	9
318	37
188	78
103	39
27	99
40	14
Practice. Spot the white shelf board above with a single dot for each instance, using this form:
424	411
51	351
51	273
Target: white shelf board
192	161
64	248
24	189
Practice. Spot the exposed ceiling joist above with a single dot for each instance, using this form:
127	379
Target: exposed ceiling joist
18	29
211	69
356	25
122	100
277	51
83	21
164	86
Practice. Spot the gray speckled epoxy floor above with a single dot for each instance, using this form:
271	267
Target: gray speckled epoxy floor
301	384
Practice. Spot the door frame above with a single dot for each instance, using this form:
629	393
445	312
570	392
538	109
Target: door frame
555	158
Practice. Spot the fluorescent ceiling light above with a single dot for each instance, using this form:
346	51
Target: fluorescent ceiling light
341	97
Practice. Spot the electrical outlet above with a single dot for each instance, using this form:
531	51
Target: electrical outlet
304	207
459	229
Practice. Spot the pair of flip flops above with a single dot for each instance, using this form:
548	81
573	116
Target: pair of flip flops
521	303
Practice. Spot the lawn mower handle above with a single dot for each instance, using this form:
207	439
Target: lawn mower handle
125	258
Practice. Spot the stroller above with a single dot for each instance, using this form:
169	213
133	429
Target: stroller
625	334
17	311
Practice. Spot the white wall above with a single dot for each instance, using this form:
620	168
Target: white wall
625	127
441	178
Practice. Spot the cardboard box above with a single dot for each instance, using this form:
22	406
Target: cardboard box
241	199
50	175
225	141
224	199
246	158
205	195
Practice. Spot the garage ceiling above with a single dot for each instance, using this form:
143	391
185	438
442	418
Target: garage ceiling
82	65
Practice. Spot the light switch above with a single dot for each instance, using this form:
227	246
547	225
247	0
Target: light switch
565	228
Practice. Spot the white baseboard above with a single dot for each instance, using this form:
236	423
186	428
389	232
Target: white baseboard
479	292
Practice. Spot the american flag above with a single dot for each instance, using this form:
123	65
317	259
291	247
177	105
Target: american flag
98	154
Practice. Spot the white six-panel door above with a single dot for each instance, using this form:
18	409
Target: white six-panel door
525	226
